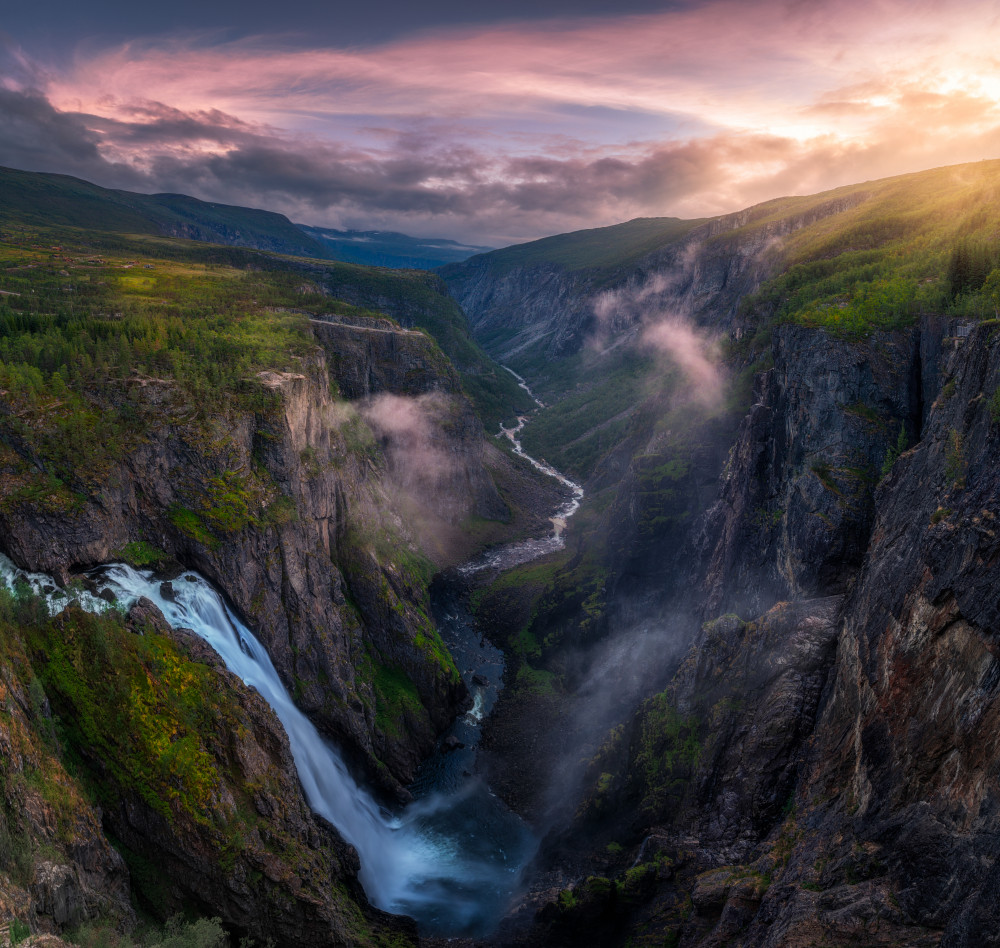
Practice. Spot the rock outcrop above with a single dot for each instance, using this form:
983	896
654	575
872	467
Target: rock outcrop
197	785
320	518
826	773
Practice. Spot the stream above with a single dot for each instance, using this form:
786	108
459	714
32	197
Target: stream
454	858
514	554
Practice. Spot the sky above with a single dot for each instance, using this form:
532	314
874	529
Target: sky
494	123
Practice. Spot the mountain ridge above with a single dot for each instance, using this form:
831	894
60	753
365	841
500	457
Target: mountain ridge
42	198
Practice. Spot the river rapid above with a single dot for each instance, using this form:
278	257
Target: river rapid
454	858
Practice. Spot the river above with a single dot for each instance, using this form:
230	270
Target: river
455	857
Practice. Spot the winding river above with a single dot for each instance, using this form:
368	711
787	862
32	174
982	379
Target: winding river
454	858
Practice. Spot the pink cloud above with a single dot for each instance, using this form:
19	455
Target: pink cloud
509	132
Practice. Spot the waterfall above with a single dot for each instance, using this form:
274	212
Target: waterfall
451	860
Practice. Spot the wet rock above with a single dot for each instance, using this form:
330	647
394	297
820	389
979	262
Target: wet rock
167	592
143	614
169	570
451	743
108	596
481	680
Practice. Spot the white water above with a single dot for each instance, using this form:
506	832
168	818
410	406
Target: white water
522	384
435	861
453	860
514	554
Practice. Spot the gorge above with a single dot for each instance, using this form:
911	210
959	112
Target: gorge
698	649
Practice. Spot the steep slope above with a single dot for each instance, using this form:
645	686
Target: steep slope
187	768
826	772
817	765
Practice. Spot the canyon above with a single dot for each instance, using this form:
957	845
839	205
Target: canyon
748	695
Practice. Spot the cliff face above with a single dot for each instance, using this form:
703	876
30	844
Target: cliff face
826	772
908	737
319	517
195	779
797	497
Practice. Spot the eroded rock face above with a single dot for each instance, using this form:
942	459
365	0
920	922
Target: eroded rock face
828	773
310	524
797	501
908	741
80	877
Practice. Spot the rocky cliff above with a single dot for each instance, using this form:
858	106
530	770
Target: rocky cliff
320	518
821	770
520	308
187	770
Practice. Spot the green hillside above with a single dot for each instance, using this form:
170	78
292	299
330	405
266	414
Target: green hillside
62	210
917	243
55	200
601	248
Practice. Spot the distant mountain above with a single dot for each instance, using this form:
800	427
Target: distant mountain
382	248
598	249
28	197
56	200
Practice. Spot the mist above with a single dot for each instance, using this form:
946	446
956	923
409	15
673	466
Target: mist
429	479
695	354
656	316
407	428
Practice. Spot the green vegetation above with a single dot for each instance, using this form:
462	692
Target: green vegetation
920	243
178	933
599	249
55	200
190	524
92	354
593	409
18	931
955	464
141	555
892	455
141	711
395	697
668	753
104	335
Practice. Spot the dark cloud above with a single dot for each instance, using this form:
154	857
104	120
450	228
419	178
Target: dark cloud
425	184
305	21
38	137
